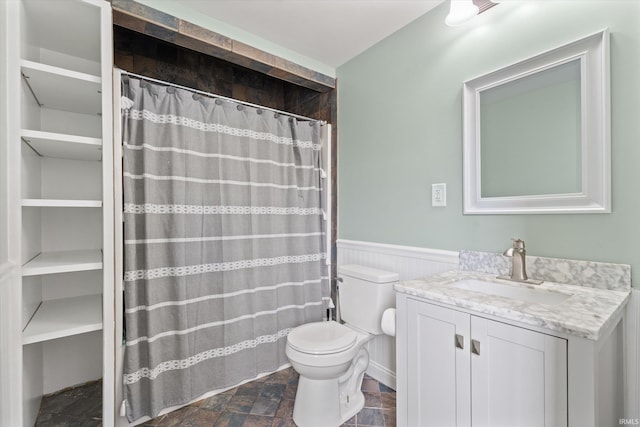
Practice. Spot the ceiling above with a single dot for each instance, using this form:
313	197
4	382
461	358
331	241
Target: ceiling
329	31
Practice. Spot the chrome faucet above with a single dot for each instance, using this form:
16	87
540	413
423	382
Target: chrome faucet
518	255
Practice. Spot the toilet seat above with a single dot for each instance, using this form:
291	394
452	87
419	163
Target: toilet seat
319	338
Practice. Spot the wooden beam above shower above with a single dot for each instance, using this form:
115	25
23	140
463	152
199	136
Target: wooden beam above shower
143	19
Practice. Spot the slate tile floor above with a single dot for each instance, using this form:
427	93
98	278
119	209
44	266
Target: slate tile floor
266	402
74	407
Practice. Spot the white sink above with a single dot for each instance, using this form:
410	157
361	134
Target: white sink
514	291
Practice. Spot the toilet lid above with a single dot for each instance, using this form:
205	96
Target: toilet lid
321	338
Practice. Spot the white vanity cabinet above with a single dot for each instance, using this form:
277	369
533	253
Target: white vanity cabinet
457	367
518	376
467	370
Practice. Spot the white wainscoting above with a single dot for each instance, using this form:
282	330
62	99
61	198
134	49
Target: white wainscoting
632	357
410	263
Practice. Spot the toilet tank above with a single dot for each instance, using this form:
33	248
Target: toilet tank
364	294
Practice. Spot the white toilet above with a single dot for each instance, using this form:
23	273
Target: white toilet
330	357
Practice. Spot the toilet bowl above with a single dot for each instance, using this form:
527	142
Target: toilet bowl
331	357
323	397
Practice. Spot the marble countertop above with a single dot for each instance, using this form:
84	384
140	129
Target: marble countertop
586	313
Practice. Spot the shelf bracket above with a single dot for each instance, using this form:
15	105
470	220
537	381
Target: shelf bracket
26	141
26	80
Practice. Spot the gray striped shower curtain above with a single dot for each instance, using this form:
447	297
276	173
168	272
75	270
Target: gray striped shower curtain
224	241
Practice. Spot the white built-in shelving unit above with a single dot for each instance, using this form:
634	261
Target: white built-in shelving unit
63	204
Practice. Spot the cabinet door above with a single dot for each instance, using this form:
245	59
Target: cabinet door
518	377
438	383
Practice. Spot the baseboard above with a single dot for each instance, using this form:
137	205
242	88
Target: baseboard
382	374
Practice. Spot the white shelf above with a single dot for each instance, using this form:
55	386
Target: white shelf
63	262
64	317
62	89
62	146
58	203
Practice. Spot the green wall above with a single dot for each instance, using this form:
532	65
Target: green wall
400	130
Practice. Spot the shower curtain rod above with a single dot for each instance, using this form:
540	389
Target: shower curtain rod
212	95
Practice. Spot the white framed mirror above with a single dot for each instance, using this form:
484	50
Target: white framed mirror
537	134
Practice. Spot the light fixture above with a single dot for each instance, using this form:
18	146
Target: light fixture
461	12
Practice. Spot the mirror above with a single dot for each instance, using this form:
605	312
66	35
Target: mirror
536	134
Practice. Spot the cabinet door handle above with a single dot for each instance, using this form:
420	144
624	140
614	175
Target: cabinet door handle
459	341
475	347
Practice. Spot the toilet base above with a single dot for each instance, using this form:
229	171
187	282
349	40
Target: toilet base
331	402
313	409
350	409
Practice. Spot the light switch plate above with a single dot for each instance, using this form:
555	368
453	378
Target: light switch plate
439	195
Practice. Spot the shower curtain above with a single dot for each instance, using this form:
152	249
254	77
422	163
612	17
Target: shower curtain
224	241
